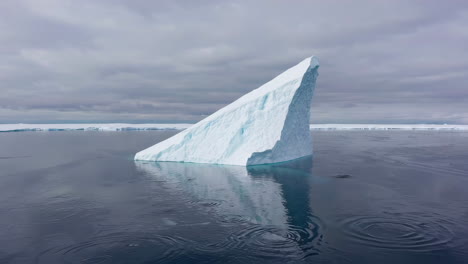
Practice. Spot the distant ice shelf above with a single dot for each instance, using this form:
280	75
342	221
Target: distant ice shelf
387	127
137	127
89	127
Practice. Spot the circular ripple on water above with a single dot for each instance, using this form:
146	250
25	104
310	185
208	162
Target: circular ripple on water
206	202
403	232
113	247
274	242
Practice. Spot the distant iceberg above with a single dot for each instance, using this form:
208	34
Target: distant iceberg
268	125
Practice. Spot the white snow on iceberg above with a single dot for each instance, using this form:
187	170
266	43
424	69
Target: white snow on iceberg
268	125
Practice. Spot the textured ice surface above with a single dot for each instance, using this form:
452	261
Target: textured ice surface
268	125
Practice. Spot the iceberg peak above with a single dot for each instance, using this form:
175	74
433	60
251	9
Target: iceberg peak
268	125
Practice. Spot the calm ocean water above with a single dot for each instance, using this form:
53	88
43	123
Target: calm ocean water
364	197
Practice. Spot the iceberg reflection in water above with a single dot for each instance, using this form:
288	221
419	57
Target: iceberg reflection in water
272	200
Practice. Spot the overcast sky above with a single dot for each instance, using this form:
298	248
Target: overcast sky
155	61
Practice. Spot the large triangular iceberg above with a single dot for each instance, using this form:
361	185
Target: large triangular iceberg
268	125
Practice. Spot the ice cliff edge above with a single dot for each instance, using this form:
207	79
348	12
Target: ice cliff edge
268	125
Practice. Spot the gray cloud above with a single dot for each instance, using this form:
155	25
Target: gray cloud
381	61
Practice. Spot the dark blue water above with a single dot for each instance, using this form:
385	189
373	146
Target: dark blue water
365	197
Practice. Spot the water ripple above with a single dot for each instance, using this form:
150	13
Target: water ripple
117	247
275	242
411	232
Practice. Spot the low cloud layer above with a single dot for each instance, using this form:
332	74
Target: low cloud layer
143	61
